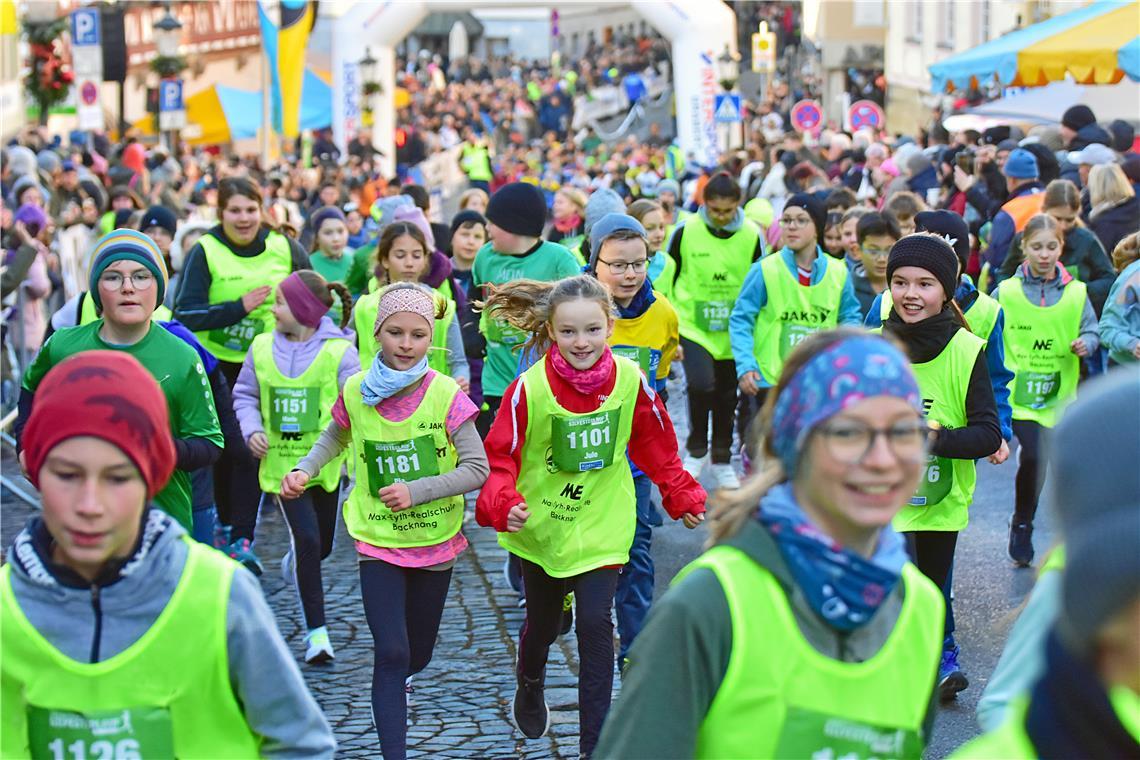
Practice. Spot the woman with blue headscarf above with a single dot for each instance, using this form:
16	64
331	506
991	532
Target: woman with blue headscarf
804	629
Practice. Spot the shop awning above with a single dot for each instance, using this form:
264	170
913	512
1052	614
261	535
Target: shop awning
221	114
1097	44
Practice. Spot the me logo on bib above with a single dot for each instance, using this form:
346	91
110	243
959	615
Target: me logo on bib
135	732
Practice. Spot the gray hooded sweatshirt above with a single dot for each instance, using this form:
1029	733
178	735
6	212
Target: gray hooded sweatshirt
92	622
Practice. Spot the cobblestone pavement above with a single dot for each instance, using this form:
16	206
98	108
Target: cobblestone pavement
461	701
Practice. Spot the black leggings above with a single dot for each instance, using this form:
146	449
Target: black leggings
933	552
236	489
1030	470
712	389
593	601
403	606
312	524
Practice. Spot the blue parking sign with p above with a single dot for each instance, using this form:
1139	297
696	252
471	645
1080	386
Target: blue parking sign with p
170	95
85	27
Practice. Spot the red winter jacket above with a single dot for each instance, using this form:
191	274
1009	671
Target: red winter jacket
652	448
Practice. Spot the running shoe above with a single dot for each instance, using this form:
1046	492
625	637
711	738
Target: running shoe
695	465
530	714
221	536
319	647
724	476
951	679
242	551
1021	543
567	613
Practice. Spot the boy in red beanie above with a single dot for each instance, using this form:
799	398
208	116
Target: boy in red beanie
116	629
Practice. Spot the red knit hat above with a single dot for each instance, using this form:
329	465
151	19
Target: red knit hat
107	395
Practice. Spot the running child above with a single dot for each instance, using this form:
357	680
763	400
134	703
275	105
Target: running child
844	630
645	332
515	250
283	400
118	634
561	492
1051	325
1120	320
950	365
419	453
713	251
652	217
331	258
468	235
403	254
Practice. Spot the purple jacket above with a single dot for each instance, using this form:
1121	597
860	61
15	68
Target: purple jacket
292	359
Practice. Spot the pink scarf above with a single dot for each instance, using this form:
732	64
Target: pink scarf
587	381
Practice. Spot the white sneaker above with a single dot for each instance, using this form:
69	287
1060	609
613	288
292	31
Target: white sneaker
725	476
695	466
320	648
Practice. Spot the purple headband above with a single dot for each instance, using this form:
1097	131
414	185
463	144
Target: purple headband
841	376
306	307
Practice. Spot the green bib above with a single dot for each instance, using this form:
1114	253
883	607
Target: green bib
150	700
294	411
394	452
782	698
1037	339
231	277
712	272
793	311
575	478
947	486
647	359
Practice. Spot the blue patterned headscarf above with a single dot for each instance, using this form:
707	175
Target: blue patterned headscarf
845	373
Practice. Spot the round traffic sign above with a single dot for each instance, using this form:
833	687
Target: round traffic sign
866	114
89	92
807	116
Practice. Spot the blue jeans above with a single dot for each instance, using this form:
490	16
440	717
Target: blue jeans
205	520
635	584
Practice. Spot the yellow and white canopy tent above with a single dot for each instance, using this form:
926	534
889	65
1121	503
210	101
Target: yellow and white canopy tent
1097	44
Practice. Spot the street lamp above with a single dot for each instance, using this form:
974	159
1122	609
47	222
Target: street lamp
368	66
167	35
369	70
728	69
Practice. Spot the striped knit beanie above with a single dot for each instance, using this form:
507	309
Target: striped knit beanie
125	244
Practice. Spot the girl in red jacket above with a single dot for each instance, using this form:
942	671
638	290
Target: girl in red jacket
560	491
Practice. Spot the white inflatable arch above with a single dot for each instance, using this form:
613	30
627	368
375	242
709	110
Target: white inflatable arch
698	30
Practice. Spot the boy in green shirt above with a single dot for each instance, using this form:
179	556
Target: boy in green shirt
516	251
127	281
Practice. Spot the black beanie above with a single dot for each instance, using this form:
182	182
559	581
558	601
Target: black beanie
814	208
948	226
518	208
1123	135
928	252
1078	116
467	216
159	216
